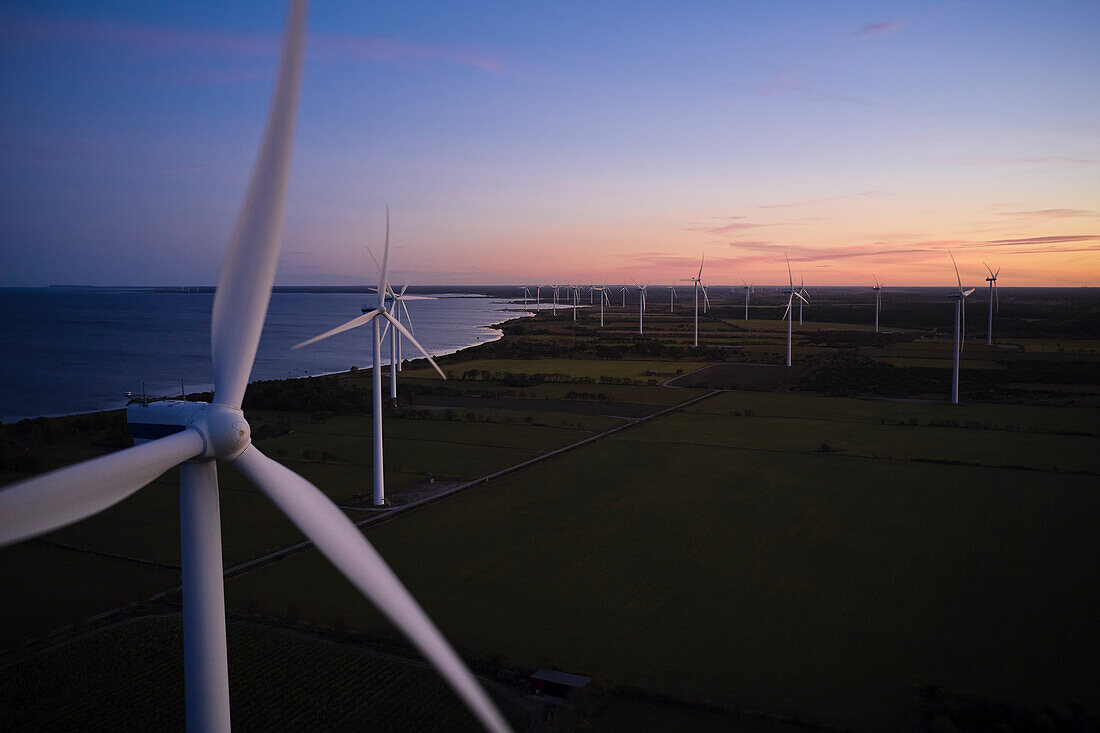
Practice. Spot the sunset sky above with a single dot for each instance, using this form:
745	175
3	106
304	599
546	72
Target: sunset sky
562	141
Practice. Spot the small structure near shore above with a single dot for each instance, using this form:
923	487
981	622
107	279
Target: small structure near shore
558	684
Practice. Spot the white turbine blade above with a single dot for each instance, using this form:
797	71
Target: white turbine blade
706	299
345	547
407	334
790	277
385	330
353	323
703	257
988	268
416	297
786	311
875	279
798	295
635	283
384	281
959	279
405	310
244	286
58	498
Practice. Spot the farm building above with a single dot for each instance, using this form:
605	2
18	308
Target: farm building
558	684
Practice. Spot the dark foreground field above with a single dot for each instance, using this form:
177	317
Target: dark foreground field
845	550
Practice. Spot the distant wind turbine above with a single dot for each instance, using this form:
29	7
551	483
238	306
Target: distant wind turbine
960	329
193	435
641	302
789	313
526	295
372	317
878	288
994	298
672	297
802	292
602	290
696	282
623	291
396	359
749	287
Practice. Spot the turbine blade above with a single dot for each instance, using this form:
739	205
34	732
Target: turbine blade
786	311
385	330
959	279
407	287
790	277
244	285
59	498
405	310
353	323
407	334
384	281
988	268
344	546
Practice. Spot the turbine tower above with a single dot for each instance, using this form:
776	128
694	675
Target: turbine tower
526	295
623	291
994	301
749	287
372	317
641	302
672	297
878	298
193	435
960	329
789	313
538	292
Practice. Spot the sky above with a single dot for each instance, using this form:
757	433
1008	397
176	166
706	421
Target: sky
559	142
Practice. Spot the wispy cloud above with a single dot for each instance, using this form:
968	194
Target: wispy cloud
879	29
814	202
1032	160
792	81
727	228
1049	213
152	41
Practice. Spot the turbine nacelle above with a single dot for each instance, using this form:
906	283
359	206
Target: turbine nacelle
225	431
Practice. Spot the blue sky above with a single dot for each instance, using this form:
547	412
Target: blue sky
561	141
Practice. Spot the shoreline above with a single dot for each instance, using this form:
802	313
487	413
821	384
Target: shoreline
496	334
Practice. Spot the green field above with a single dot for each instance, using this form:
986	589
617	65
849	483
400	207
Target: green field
131	678
826	585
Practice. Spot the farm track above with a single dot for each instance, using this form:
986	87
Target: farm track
63	633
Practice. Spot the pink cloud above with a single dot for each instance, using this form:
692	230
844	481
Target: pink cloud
1049	213
879	29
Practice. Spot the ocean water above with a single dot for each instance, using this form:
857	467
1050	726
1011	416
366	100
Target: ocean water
66	351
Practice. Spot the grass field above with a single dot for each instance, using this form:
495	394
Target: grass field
131	678
830	586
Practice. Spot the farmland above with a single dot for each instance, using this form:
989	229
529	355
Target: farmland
839	547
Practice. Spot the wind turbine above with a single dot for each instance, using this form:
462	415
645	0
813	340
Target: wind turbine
372	317
696	282
878	298
802	292
526	295
960	329
623	291
749	287
399	300
575	291
789	314
994	298
672	297
538	292
641	301
603	298
193	435
555	287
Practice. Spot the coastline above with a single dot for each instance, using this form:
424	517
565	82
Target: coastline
495	334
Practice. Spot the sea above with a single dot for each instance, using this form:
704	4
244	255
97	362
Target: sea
73	350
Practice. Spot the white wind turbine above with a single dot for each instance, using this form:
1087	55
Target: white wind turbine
574	292
399	300
802	292
878	288
960	329
672	297
538	292
193	435
623	291
372	317
789	314
602	290
994	298
555	287
749	287
696	282
641	301
526	295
